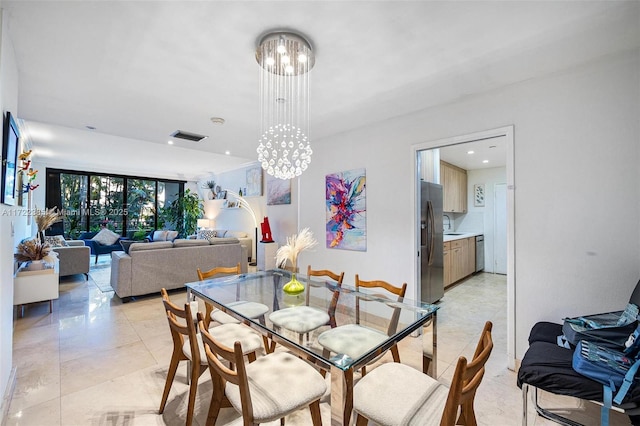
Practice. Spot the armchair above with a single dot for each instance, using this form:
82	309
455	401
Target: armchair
97	248
74	259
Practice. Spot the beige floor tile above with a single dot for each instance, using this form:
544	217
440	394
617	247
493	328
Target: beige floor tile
45	413
85	372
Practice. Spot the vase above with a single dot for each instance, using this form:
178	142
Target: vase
294	286
35	265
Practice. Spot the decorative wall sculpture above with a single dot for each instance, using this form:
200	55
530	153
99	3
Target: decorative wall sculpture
345	197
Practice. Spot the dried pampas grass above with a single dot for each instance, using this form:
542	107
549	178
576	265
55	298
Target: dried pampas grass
295	244
32	250
47	218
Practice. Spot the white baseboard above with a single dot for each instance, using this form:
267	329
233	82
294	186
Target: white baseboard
7	397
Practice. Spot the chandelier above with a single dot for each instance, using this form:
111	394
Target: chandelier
285	60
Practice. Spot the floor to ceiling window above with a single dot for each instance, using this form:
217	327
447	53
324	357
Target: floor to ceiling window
128	205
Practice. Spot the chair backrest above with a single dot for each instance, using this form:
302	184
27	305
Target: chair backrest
465	382
398	291
338	278
182	328
212	273
325	273
219	270
221	373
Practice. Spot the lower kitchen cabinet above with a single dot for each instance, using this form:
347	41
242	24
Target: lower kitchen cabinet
459	259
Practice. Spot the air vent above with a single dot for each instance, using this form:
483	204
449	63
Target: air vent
188	136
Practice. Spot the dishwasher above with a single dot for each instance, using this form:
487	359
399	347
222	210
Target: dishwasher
479	253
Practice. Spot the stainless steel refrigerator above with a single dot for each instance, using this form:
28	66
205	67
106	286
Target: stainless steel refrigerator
431	261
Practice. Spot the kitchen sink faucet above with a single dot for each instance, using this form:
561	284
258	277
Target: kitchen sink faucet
448	222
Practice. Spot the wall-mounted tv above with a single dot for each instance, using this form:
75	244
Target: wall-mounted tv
11	135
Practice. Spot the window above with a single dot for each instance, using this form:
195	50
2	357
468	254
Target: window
127	205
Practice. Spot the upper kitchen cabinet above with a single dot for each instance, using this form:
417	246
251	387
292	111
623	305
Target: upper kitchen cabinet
454	183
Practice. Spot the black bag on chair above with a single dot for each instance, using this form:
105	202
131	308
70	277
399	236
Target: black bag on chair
610	329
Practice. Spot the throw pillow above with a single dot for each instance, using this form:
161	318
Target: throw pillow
56	241
172	235
106	237
159	236
206	234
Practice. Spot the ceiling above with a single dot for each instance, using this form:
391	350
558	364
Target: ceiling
137	71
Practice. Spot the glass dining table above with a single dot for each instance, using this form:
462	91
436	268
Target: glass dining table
297	322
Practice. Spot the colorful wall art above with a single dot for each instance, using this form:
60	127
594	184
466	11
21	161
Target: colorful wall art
346	210
278	191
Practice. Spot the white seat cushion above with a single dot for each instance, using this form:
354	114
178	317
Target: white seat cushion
395	394
227	335
279	383
247	309
301	319
352	340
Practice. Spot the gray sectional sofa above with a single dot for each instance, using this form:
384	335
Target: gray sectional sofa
148	267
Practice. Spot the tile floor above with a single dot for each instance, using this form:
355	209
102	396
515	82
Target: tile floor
96	361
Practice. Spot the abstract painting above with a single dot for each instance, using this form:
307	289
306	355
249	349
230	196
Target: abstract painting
278	191
346	210
254	182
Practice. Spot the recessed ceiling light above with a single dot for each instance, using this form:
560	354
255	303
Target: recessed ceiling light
170	142
90	127
492	146
227	152
485	161
218	121
470	152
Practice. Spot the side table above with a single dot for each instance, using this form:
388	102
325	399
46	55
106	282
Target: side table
267	255
35	286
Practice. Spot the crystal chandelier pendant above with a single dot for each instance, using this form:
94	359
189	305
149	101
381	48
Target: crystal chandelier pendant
285	60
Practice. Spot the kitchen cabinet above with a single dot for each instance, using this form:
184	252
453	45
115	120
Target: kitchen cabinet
454	183
459	259
446	258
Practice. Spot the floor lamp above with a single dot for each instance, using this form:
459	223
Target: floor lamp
245	205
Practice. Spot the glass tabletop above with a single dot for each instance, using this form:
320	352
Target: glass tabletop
307	320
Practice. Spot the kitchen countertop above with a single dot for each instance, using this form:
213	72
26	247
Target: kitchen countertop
459	236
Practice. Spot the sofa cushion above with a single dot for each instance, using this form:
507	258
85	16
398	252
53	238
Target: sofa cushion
56	241
181	242
126	244
216	240
236	234
150	246
106	237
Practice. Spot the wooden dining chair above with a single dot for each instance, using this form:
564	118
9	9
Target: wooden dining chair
248	309
265	390
305	319
192	349
396	394
183	351
354	340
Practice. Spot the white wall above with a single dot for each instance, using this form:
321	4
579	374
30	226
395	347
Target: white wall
282	218
576	157
13	224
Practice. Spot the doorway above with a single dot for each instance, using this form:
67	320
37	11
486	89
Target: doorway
466	142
